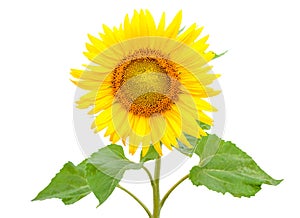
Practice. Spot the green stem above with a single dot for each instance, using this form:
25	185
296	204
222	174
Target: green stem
156	192
149	175
172	189
138	200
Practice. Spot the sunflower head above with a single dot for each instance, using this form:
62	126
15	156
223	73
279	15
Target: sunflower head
147	83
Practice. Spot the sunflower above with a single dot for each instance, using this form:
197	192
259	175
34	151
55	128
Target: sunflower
147	83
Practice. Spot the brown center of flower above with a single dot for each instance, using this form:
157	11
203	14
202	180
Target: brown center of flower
146	85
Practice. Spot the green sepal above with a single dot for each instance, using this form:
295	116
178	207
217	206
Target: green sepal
150	155
181	30
203	126
188	151
219	55
192	140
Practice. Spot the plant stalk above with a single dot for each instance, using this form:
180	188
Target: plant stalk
137	199
156	191
172	189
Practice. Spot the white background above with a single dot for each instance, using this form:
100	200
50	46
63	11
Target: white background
41	40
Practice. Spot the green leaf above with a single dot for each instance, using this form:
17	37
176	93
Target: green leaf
151	155
106	168
206	148
225	168
100	183
112	161
69	185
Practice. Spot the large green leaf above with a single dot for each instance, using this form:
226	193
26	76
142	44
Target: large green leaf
206	148
100	183
106	168
69	184
225	168
111	160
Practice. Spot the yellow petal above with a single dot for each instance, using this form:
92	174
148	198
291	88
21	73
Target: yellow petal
169	138
161	25
120	120
134	138
183	139
127	27
114	138
166	141
101	120
189	124
91	48
102	104
201	92
143	25
97	68
97	43
174	121
201	45
202	132
132	149
203	105
145	150
173	29
109	38
157	147
141	126
88	75
110	129
205	119
135	23
87	85
209	56
190	34
146	140
150	23
158	127
86	100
